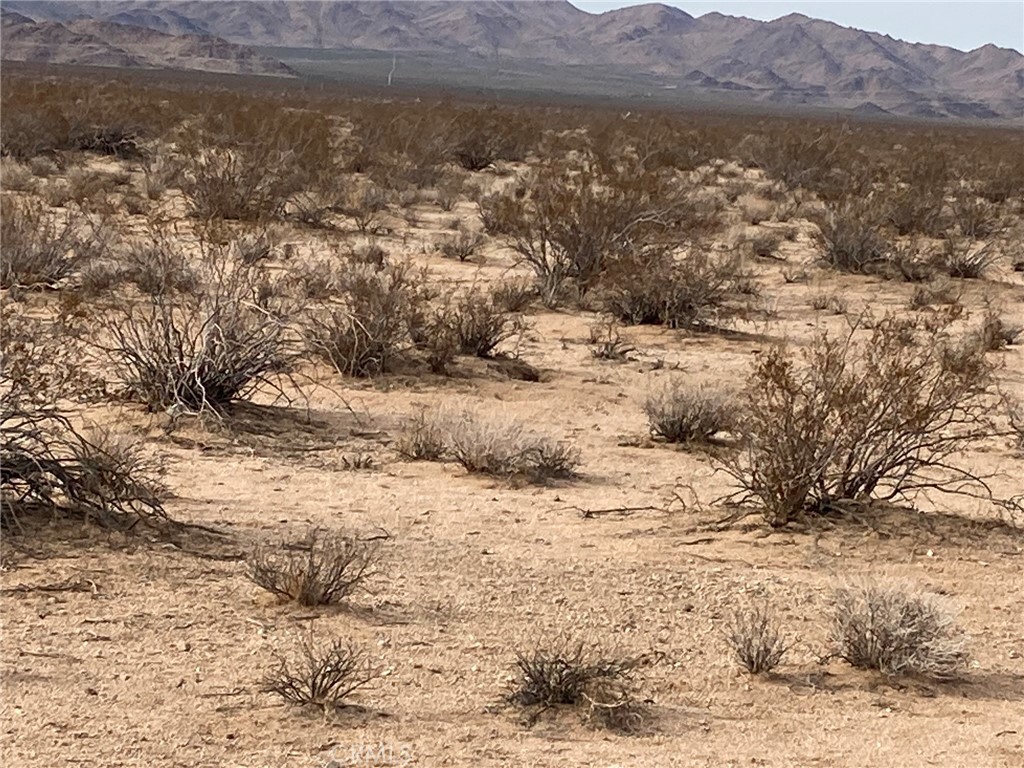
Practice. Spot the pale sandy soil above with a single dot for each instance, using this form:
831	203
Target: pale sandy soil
158	661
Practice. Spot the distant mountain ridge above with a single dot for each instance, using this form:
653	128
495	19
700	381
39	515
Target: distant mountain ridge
792	60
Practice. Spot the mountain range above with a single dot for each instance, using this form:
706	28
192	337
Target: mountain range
794	60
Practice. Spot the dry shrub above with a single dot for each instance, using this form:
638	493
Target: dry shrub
513	295
202	350
846	422
248	183
157	264
604	689
691	290
15	177
897	632
754	637
323	676
425	436
568	222
46	463
323	570
477	323
850	238
496	445
915	211
366	205
42	250
367	325
678	412
975	217
959	258
462	246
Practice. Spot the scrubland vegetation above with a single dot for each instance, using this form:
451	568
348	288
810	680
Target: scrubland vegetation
801	331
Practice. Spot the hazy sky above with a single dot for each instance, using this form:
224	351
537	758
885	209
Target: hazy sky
963	24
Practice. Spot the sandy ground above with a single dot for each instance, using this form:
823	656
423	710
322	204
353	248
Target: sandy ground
128	652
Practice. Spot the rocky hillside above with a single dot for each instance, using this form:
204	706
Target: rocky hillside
792	60
109	44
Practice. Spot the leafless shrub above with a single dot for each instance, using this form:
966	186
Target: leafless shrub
912	210
681	413
960	259
324	676
602	688
462	246
42	250
886	628
754	637
46	463
158	265
323	570
843	422
205	349
367	325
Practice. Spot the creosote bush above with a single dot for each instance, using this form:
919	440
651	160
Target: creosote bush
755	639
202	350
323	570
846	421
321	675
574	675
896	632
682	413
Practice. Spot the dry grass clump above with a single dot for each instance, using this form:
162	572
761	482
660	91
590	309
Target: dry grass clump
580	677
754	637
322	570
678	412
487	444
844	422
478	323
202	350
850	237
462	246
897	632
321	675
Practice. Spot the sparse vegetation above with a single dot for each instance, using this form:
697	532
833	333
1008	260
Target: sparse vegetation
678	412
755	639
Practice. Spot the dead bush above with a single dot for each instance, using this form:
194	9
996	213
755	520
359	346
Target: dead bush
754	637
678	412
46	463
574	675
322	570
844	422
324	676
200	351
367	324
42	250
895	631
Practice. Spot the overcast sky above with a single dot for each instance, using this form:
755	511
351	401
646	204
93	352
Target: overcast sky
963	24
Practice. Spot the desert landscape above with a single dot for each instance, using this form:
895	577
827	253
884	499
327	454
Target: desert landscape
342	429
